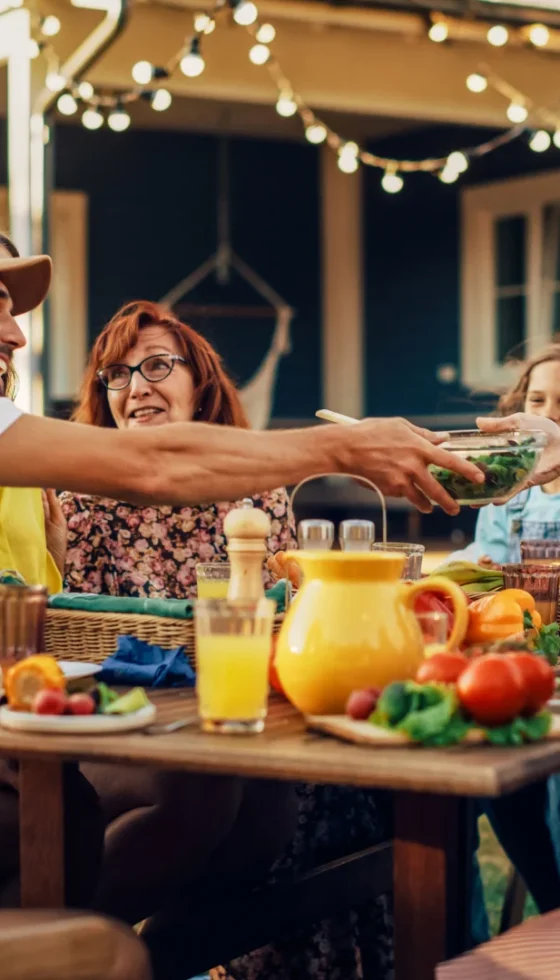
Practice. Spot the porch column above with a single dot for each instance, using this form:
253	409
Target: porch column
342	288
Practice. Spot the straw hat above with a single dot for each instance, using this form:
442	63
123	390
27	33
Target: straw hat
27	280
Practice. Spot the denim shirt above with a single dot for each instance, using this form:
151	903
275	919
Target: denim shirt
500	530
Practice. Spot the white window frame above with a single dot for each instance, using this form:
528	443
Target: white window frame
480	208
68	336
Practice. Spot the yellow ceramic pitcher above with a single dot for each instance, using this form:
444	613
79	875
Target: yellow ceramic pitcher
352	626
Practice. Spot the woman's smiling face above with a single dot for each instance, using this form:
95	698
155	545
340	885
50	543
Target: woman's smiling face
153	402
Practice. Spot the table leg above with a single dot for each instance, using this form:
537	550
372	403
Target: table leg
432	855
41	812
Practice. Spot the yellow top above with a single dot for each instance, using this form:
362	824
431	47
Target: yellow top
23	543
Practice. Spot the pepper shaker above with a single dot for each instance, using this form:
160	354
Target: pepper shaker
246	528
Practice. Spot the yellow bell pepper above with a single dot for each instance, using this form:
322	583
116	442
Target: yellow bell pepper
25	679
499	616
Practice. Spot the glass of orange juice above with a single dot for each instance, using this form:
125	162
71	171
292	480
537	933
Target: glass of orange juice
233	645
212	580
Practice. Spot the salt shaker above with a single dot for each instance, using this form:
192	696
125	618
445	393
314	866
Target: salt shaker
246	528
315	535
356	535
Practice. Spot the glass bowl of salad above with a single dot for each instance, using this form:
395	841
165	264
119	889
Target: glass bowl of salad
507	459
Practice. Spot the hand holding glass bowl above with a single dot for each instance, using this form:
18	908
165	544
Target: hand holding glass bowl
507	460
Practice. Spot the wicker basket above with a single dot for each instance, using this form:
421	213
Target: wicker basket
93	636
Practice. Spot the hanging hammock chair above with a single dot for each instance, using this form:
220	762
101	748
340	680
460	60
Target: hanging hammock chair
257	395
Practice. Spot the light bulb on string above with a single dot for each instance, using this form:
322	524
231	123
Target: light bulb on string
391	181
33	48
67	104
556	139
438	32
50	26
286	106
245	13
539	35
316	133
497	36
92	119
161	100
348	158
143	72
516	113
259	54
448	175
204	23
55	82
118	119
85	90
266	34
540	141
477	83
192	64
457	161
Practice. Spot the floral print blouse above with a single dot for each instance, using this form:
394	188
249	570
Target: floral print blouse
125	550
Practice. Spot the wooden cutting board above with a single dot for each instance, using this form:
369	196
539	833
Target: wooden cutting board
362	733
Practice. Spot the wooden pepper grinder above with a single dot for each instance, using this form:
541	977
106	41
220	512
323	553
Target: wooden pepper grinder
246	529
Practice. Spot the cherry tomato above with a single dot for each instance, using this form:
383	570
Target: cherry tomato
49	702
491	689
442	668
538	680
81	704
360	704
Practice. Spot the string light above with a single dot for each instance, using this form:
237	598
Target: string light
477	83
316	133
118	120
497	36
33	48
540	141
516	113
259	54
55	82
556	138
245	13
161	100
143	72
67	104
348	158
539	35
391	181
92	119
457	161
439	32
50	26
448	175
192	64
266	34
85	90
286	106
204	23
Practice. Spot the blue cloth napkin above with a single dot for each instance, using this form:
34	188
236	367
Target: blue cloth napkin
138	664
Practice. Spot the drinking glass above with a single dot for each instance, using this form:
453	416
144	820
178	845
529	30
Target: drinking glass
540	552
413	553
435	630
212	580
233	648
542	581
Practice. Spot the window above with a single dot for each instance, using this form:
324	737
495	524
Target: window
510	270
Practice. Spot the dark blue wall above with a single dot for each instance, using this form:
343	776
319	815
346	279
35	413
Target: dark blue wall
412	271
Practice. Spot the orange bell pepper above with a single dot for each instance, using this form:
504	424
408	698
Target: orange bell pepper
499	616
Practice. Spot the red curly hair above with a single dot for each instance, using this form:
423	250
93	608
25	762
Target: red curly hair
216	398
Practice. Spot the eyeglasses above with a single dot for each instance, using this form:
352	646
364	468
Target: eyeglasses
155	368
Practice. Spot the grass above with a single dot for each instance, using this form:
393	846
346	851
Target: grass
495	869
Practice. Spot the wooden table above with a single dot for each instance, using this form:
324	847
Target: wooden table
432	789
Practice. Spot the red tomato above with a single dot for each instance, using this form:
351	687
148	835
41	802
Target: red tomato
273	678
491	689
81	704
538	680
49	702
361	704
442	668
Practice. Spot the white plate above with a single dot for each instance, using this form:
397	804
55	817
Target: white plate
25	721
76	670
